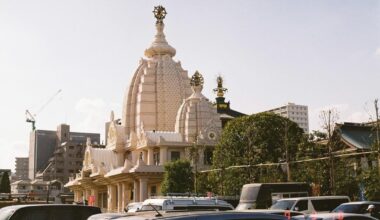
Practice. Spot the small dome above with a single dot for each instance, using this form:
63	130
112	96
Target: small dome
197	119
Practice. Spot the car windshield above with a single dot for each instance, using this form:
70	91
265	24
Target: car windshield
348	208
283	204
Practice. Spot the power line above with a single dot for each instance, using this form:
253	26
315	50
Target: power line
284	163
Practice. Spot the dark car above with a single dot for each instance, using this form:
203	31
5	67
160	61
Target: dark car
336	216
207	215
359	208
47	212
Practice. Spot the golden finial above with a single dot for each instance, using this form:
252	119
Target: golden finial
160	13
220	90
196	79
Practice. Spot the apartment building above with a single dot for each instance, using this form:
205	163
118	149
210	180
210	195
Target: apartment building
22	167
296	113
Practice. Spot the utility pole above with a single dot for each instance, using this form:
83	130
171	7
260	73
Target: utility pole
377	133
331	158
289	179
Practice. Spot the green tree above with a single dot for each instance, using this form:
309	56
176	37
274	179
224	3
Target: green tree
178	177
251	140
5	185
371	180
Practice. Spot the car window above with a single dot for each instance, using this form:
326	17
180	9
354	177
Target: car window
301	205
349	208
83	212
59	213
323	205
283	204
31	213
150	208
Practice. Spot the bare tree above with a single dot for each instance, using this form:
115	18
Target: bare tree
329	118
377	147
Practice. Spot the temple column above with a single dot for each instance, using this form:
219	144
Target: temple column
124	195
83	195
136	190
150	156
163	155
94	192
76	195
119	197
143	189
111	202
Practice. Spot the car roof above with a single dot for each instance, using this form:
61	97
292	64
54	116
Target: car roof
216	214
315	197
186	201
361	203
45	205
335	215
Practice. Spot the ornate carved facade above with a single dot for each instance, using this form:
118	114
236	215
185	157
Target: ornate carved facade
164	114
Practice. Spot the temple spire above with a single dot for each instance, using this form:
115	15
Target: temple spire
220	90
160	46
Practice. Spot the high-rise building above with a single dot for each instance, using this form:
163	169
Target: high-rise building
22	168
296	113
43	143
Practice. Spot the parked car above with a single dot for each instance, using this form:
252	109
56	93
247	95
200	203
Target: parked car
47	212
335	216
180	215
286	213
308	205
185	203
263	195
359	208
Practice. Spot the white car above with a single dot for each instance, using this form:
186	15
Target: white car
185	203
308	205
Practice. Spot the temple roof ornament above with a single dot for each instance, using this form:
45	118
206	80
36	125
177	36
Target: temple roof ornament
220	90
160	13
197	79
196	83
159	46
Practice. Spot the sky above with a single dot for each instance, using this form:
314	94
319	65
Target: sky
323	54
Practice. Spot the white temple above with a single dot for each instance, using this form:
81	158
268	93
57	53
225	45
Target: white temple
164	114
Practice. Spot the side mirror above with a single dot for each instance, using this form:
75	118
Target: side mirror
296	208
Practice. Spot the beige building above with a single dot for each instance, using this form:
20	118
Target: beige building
164	114
296	113
22	168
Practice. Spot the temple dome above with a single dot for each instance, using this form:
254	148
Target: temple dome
157	89
197	119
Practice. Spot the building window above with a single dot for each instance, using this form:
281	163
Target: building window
156	158
153	190
175	155
207	156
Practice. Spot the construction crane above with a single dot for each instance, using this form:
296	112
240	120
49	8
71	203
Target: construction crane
31	118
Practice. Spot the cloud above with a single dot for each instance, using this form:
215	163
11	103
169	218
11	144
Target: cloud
377	52
345	114
95	114
358	117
